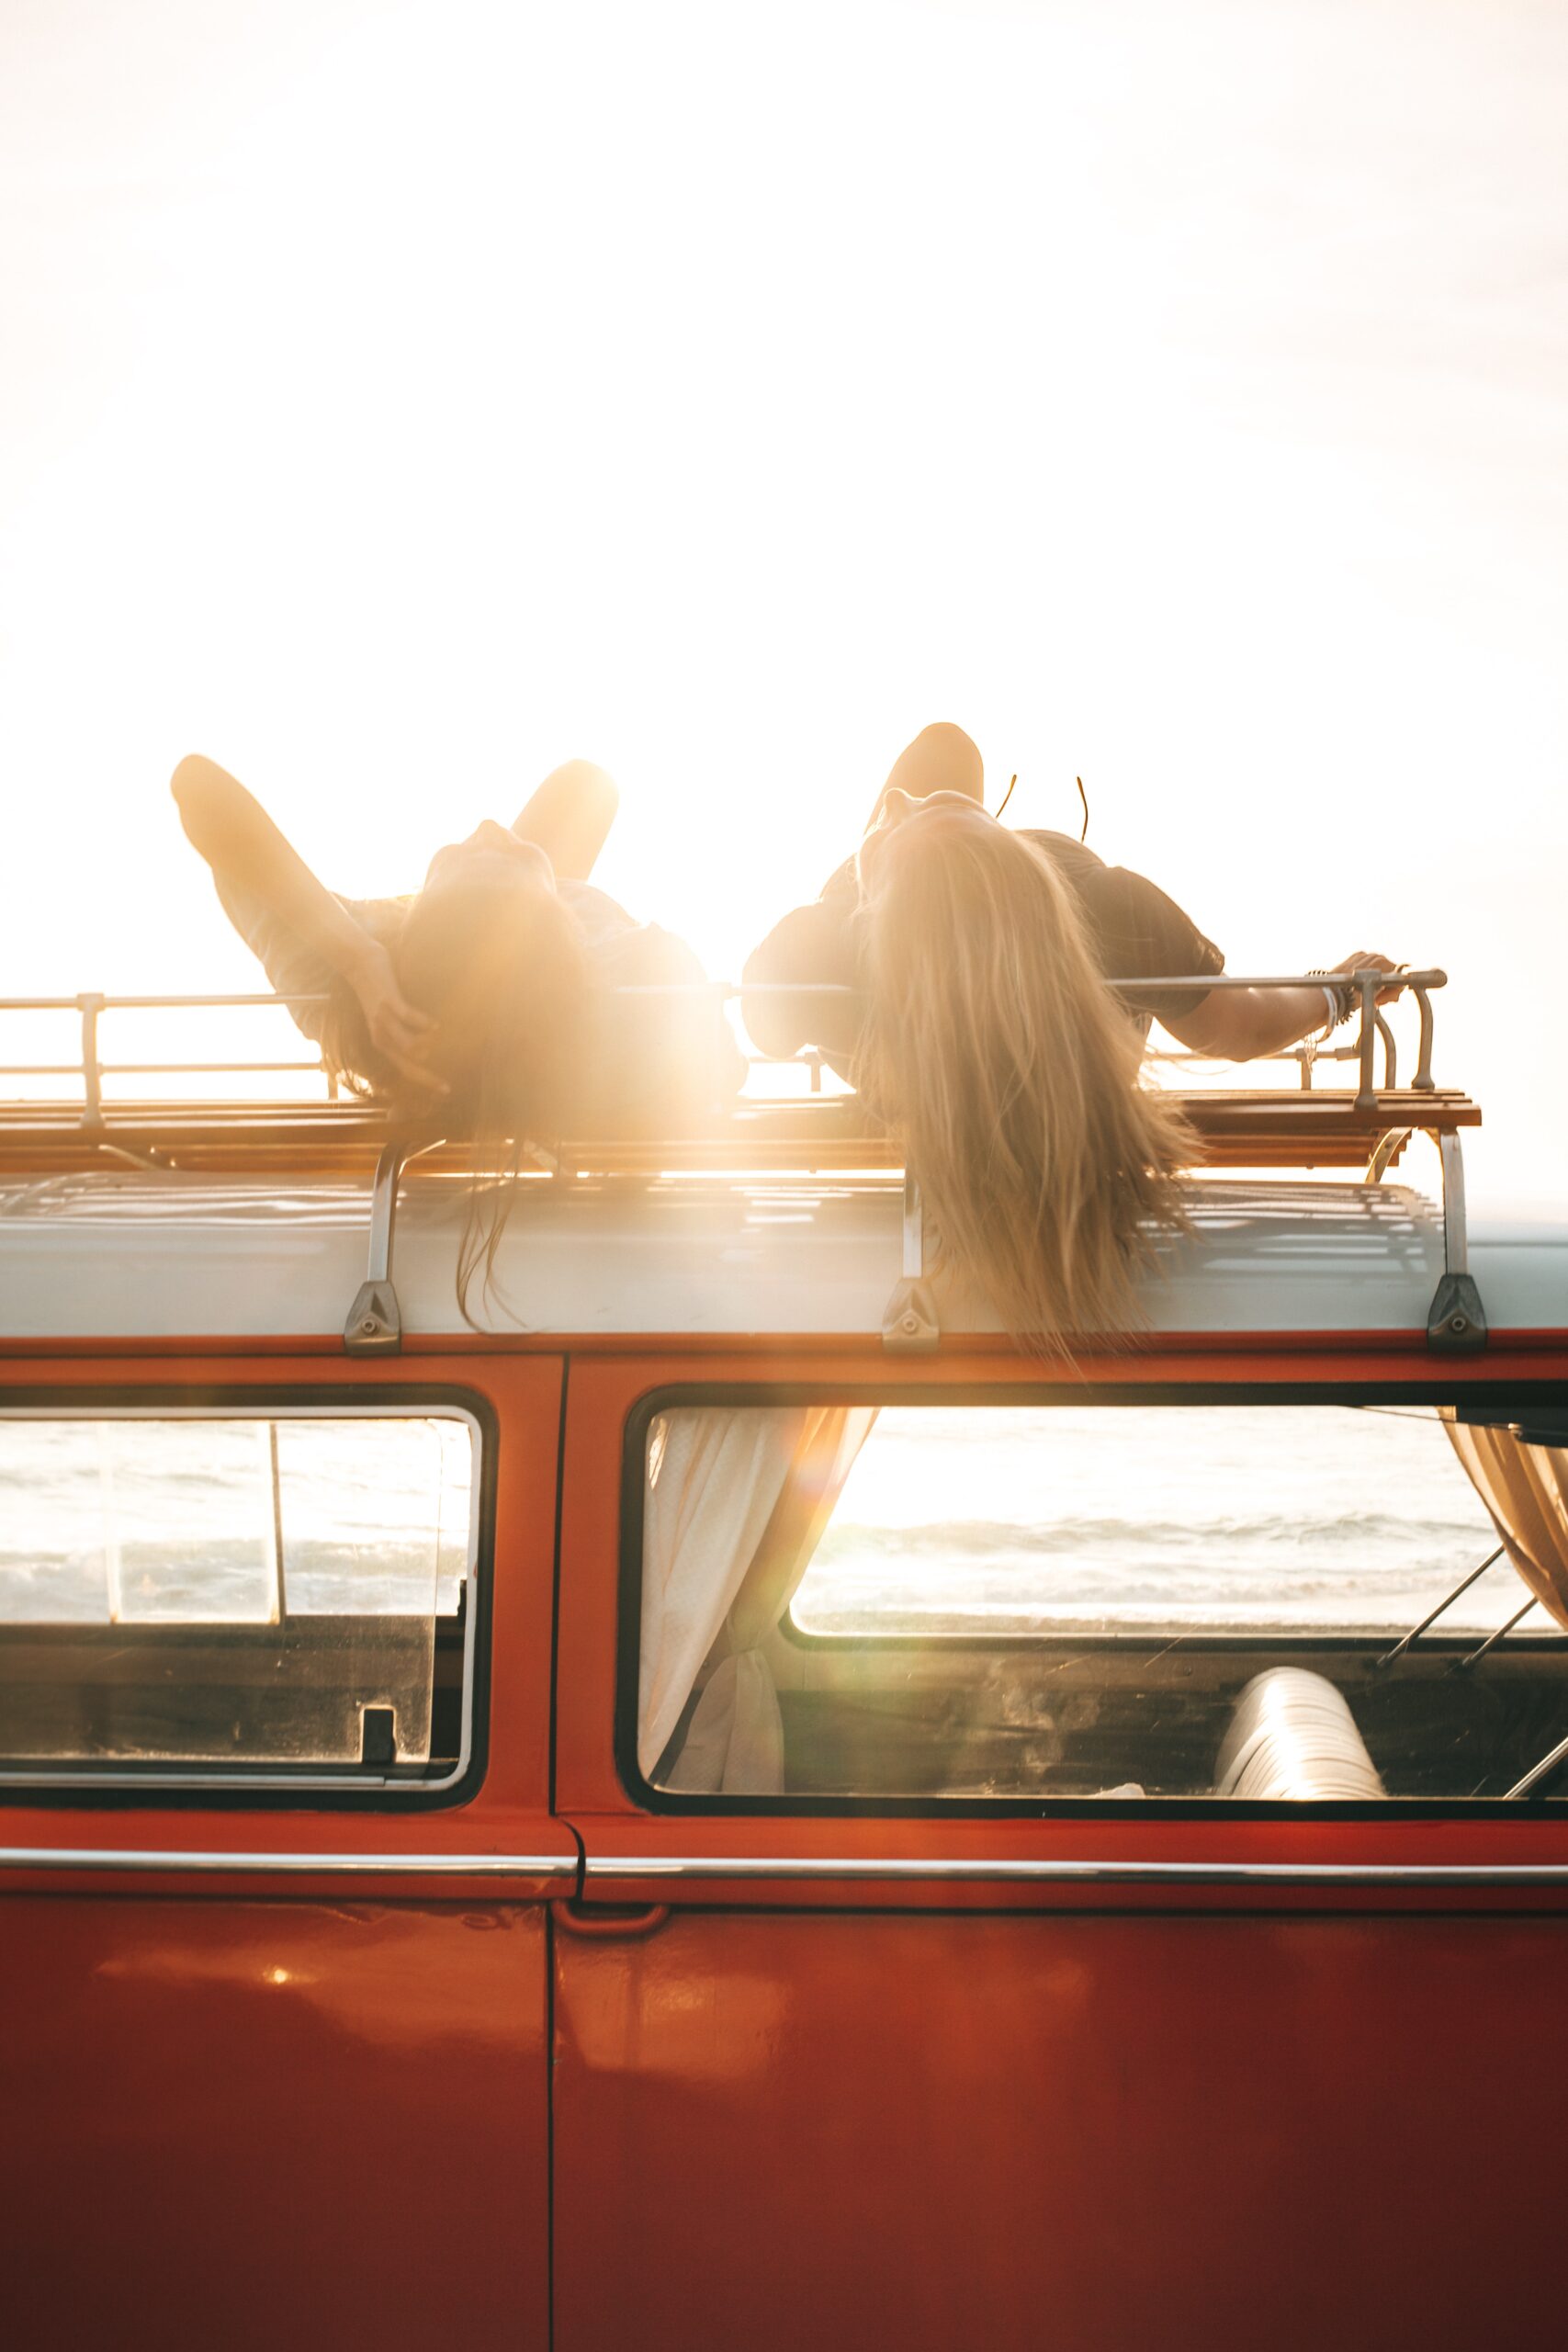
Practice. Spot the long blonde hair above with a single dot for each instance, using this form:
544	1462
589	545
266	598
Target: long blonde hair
994	1050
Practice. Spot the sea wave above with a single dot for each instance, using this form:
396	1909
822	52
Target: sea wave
987	1537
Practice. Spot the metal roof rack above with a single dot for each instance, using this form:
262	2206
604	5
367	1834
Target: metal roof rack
1306	1125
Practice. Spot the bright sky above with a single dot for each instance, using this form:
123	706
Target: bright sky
398	400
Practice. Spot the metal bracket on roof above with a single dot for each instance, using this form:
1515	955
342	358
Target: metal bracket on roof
909	1325
1389	1146
1456	1321
375	1325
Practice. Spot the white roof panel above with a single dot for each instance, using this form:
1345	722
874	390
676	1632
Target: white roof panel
132	1254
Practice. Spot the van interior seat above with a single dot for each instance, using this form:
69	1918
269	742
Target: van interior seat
1292	1735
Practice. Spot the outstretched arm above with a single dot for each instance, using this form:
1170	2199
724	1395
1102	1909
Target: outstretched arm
235	835
1237	1023
809	945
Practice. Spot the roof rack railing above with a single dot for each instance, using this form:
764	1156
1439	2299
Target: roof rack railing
91	1069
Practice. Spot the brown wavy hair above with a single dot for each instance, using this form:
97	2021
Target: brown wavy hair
995	1052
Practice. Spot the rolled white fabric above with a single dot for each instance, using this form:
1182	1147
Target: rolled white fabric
1293	1737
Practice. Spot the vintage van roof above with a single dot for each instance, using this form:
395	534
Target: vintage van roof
154	1254
239	1216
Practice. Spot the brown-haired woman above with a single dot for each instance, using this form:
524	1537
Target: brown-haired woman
485	1000
982	1031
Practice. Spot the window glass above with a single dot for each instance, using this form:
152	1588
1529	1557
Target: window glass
1075	1600
1093	1519
230	1590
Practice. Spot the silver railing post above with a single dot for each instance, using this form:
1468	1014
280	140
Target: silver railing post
1367	1096
89	1007
1456	1320
1423	1081
375	1325
1390	1055
909	1325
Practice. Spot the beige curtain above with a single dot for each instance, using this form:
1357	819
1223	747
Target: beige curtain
737	1501
1525	1488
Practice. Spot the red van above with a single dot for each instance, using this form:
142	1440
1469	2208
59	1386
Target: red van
730	1806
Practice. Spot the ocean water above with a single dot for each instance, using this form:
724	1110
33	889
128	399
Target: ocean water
192	1520
1071	1517
1086	1517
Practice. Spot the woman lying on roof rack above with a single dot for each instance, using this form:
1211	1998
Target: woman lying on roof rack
480	1002
980	1029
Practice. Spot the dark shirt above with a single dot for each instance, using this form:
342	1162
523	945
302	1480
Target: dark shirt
1135	930
654	1059
669	1059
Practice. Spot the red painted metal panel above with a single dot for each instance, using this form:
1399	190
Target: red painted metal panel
1012	2112
295	2111
1102	2134
273	2124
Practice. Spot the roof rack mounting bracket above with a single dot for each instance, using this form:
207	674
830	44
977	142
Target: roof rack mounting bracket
1456	1320
909	1325
375	1324
1390	1144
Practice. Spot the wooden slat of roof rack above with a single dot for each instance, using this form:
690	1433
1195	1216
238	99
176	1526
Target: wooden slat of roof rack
1308	1128
1300	1127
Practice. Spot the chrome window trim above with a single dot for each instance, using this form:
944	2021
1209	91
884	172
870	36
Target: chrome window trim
345	1779
149	1777
908	1868
1095	1874
117	1858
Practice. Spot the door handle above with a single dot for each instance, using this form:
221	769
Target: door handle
611	1919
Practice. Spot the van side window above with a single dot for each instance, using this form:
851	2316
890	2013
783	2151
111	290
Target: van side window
1093	1600
217	1595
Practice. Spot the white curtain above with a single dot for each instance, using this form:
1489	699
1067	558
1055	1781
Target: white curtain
737	1501
1525	1488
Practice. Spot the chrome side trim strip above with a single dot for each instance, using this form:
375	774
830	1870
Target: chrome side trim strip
113	1858
795	1866
792	1866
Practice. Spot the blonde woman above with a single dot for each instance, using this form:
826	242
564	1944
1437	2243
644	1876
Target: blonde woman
983	1033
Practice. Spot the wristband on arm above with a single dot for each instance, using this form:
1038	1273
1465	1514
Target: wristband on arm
1338	995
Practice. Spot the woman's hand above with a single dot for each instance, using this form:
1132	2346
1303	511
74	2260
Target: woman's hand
1366	959
399	1031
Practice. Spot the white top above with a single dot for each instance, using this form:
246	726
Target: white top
127	1255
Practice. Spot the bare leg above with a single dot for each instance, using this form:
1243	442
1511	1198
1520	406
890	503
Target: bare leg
940	759
570	817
